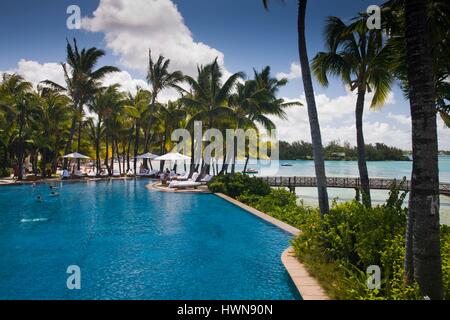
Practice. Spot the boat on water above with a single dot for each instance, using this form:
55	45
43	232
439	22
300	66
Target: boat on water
251	171
287	165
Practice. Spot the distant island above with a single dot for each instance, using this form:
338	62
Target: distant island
302	150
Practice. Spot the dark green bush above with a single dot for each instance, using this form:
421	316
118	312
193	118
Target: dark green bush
238	185
338	249
7	172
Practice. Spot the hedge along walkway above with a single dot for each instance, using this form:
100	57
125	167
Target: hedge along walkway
308	287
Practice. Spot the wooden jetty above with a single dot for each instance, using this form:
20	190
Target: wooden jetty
347	183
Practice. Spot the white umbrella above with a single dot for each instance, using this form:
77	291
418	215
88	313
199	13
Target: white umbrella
147	155
75	155
173	156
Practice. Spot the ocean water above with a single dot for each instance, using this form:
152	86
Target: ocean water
377	169
133	243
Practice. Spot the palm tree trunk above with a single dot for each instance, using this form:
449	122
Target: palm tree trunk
246	163
233	166
192	165
136	146
316	136
362	165
118	155
69	141
97	148
107	153
424	197
80	123
111	169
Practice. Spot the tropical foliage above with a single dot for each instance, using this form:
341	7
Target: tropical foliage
302	150
338	249
113	126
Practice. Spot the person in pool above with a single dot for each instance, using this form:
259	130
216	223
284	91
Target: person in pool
53	188
39	199
54	194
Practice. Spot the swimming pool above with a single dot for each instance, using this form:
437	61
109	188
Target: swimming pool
132	243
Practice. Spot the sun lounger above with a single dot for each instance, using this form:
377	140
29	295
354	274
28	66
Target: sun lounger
148	173
130	173
79	174
92	174
206	179
184	185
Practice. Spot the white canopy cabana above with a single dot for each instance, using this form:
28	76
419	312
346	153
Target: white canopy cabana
76	155
147	155
173	156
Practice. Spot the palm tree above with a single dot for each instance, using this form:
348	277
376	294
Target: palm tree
159	77
82	82
316	136
51	123
138	108
169	117
208	100
438	12
113	116
18	100
254	101
360	57
423	214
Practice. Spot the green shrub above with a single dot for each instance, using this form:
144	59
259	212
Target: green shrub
338	249
6	172
239	184
445	253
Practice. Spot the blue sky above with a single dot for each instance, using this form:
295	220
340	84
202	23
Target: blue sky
189	32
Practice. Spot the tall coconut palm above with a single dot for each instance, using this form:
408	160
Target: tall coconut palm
82	82
208	99
18	100
159	78
316	136
424	198
255	101
113	112
52	124
138	107
360	57
169	117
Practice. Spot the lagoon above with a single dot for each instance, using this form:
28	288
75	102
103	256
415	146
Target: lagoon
377	169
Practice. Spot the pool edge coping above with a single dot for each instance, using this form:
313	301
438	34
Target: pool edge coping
307	286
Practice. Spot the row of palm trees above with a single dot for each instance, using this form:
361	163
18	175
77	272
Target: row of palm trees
110	124
413	48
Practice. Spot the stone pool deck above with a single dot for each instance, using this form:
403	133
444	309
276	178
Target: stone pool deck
308	287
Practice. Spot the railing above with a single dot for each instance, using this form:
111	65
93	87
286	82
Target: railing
353	183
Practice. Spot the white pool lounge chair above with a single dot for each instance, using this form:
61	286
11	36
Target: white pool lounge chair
184	185
183	176
130	173
92	174
206	179
79	174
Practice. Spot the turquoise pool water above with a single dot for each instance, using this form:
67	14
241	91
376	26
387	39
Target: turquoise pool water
132	243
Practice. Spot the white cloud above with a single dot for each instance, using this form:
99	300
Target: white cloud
132	27
400	118
337	121
35	72
294	73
